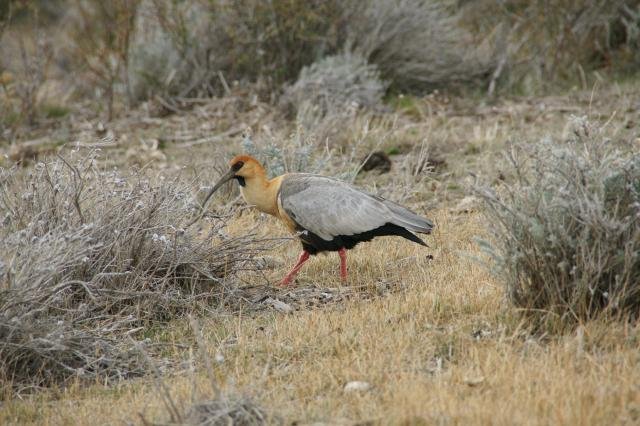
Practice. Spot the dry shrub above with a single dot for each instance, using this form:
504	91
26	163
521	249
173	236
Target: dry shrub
221	410
551	41
303	151
41	352
566	233
27	58
416	44
170	53
329	92
237	411
200	48
90	259
99	37
297	153
334	83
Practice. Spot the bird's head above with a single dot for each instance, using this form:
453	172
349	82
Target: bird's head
244	167
241	168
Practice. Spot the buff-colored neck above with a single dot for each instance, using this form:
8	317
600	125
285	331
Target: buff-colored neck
262	192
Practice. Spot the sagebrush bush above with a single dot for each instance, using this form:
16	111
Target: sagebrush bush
328	94
99	37
416	44
335	83
291	155
89	259
171	53
552	41
566	233
194	49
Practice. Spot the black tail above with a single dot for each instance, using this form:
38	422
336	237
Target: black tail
403	232
393	229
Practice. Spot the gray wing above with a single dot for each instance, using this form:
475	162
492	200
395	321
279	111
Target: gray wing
329	207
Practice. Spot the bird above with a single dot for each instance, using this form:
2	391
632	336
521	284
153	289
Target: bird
325	213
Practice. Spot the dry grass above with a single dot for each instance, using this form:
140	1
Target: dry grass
430	330
445	349
436	339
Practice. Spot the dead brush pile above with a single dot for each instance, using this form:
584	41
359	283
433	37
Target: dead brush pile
89	259
567	231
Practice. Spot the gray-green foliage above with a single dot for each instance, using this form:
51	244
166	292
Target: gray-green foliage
182	48
292	155
566	234
168	51
334	84
329	93
416	44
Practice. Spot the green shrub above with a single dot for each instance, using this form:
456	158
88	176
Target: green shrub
566	233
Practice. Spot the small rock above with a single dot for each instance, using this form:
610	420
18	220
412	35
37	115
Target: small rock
480	334
474	381
100	128
357	386
270	262
279	305
377	160
466	205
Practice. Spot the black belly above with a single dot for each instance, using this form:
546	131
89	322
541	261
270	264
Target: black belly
314	244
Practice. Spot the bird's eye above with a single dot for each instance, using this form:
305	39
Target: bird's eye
237	166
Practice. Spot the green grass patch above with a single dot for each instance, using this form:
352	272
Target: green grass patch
55	111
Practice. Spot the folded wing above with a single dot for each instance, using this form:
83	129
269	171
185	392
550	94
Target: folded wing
330	208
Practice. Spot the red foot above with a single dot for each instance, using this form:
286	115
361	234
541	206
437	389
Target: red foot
304	256
343	264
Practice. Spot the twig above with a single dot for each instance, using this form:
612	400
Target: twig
78	186
224	83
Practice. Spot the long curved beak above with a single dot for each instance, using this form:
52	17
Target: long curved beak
224	179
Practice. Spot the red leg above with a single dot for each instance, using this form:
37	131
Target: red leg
343	264
304	256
